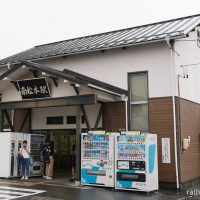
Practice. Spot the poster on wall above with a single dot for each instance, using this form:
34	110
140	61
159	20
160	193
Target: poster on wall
34	88
166	152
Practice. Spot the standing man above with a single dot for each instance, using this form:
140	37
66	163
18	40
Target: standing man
25	153
73	162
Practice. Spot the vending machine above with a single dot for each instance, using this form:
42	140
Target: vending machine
34	143
10	144
136	162
97	158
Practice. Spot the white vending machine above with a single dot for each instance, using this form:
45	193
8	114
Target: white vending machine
136	162
34	143
10	144
97	158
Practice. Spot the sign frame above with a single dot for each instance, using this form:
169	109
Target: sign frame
166	151
34	88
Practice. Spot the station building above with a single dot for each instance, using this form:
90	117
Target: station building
141	78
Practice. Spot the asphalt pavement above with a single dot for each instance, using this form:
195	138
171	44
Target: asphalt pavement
62	189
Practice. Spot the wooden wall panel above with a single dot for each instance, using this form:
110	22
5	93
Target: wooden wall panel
114	116
190	126
161	123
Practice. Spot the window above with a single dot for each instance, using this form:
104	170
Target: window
72	120
138	98
54	120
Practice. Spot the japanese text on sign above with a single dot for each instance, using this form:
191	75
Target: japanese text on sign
33	88
166	152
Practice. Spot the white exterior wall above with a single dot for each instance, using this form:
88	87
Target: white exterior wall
39	116
113	65
189	54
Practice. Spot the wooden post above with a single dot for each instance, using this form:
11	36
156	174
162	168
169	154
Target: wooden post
78	144
98	117
1	120
83	110
9	120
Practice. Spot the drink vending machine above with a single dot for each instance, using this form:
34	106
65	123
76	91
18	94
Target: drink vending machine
34	144
136	162
10	144
97	158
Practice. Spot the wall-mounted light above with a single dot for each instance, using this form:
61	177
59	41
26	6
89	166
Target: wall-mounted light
186	143
7	79
77	85
66	81
44	73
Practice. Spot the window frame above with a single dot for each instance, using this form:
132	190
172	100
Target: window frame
49	124
82	119
129	74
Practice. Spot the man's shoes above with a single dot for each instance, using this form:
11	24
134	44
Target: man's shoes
48	178
22	177
72	179
26	178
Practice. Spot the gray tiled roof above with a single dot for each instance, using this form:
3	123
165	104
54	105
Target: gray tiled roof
132	36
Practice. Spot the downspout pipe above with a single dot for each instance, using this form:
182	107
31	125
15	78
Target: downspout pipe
126	113
125	99
170	44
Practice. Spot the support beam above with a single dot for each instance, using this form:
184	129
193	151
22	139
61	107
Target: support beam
9	121
34	72
51	102
55	80
86	117
78	143
26	117
98	117
1	120
83	109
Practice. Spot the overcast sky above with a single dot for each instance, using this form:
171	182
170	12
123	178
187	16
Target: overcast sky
27	23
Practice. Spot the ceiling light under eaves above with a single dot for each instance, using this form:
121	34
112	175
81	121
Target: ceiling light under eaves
77	85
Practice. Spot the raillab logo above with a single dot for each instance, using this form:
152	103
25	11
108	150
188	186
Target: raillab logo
193	193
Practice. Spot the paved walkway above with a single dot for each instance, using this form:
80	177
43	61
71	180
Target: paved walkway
61	189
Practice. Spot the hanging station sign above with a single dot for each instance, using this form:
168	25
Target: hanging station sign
36	88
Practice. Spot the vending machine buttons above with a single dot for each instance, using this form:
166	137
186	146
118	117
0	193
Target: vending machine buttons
137	165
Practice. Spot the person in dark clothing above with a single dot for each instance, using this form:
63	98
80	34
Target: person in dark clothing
42	152
73	162
50	162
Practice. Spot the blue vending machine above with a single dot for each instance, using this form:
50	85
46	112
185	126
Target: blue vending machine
97	158
136	162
